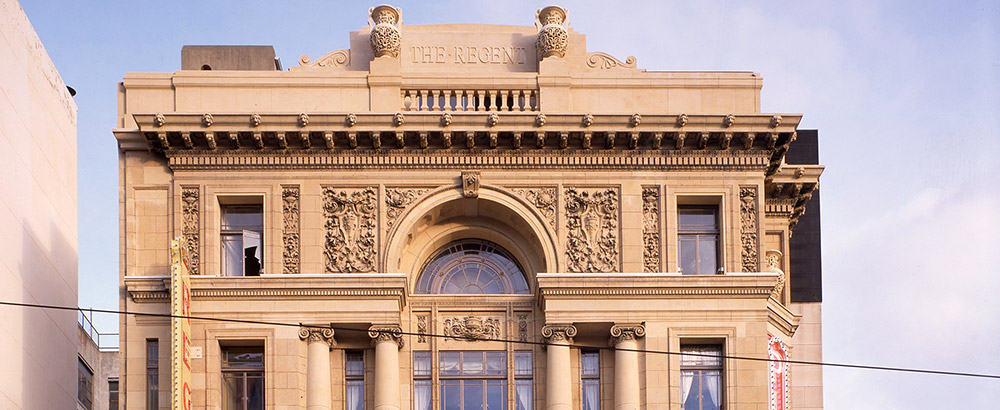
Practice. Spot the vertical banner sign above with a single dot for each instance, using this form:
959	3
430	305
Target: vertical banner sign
777	352
180	326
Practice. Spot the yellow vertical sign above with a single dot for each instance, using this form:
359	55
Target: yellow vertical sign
180	326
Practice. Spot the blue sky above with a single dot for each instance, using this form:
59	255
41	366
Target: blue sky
906	95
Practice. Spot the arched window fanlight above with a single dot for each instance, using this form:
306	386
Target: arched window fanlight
472	267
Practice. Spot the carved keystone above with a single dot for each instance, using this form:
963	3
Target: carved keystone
470	184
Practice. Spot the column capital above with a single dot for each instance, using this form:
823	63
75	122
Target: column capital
317	334
386	333
626	332
559	333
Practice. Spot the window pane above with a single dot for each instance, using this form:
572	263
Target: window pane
473	394
422	395
591	394
449	363
255	391
240	217
524	399
472	267
152	389
354	364
589	364
242	358
707	256
472	363
232	255
231	387
113	395
689	254
701	355
355	390
421	363
496	395
522	363
451	395
496	362
700	218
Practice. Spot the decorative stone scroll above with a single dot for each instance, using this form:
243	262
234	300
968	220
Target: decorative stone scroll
472	328
651	229
772	258
620	333
470	184
605	61
385	37
421	328
397	200
543	199
559	333
192	225
290	229
553	38
317	334
386	333
333	59
350	230
592	230
748	228
778	372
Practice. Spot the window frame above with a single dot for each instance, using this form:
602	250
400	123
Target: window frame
351	377
586	377
114	395
152	374
698	234
485	378
254	203
441	267
720	368
84	384
243	374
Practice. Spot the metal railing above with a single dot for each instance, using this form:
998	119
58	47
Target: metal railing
104	341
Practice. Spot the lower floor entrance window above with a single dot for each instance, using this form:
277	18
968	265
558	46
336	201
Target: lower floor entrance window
242	378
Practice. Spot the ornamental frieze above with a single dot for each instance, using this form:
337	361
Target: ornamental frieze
543	199
651	229
592	230
397	200
349	245
192	225
290	229
748	229
472	328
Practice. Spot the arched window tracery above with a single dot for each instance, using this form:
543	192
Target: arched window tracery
472	267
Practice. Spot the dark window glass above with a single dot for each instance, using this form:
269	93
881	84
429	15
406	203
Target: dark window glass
242	378
701	377
354	380
85	385
590	380
152	374
472	267
241	236
698	239
113	395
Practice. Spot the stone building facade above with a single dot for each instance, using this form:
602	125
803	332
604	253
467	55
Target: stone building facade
462	216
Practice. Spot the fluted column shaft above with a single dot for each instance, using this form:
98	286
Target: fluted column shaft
387	341
558	380
318	392
624	338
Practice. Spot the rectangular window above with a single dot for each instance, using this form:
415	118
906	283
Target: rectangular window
354	380
242	378
473	380
701	377
590	380
242	236
113	394
422	380
85	385
523	383
698	239
152	374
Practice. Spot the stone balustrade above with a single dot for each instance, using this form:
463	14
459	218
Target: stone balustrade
470	100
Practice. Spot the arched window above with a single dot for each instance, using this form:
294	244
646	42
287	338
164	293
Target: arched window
472	267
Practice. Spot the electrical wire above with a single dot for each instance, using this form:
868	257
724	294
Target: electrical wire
527	342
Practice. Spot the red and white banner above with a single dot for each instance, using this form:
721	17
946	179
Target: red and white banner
777	353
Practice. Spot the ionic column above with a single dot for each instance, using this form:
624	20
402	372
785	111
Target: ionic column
387	341
558	385
624	340
318	366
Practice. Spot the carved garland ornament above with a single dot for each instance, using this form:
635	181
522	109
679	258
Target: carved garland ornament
543	199
350	230
553	38
192	226
385	37
748	228
290	228
592	237
317	335
397	200
472	328
651	229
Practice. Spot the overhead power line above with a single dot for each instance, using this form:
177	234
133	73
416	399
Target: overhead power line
527	342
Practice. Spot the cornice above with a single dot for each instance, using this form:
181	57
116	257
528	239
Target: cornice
630	286
780	317
789	189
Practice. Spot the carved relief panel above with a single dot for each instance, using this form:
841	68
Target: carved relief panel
397	200
652	246
543	199
592	230
191	211
350	214
750	259
290	229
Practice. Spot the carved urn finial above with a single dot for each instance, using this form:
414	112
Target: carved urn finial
385	37
553	38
